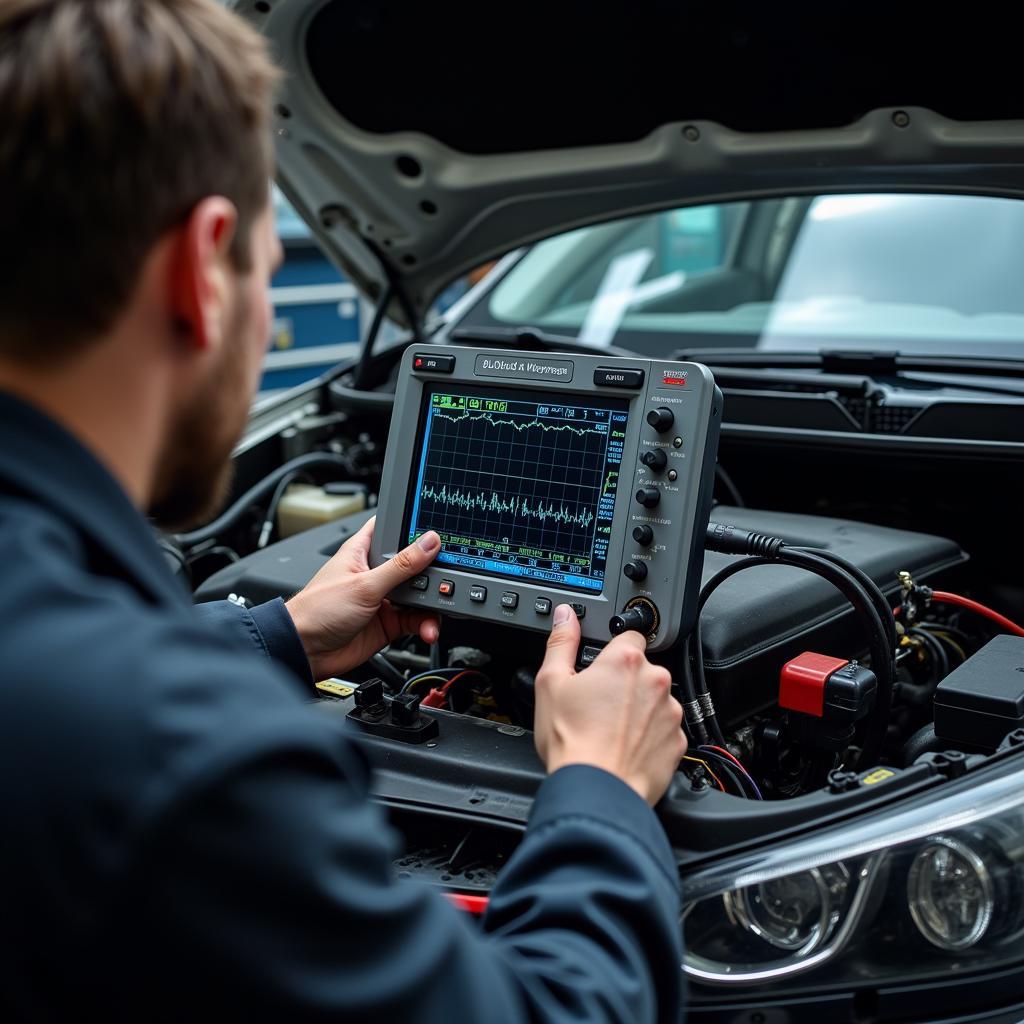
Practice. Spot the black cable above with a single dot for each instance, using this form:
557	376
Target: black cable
693	642
366	350
691	705
390	675
727	482
230	516
715	727
920	743
267	529
871	588
938	652
878	643
848	586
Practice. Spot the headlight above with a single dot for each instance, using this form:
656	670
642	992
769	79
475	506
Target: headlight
923	891
951	894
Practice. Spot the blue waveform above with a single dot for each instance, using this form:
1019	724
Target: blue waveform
504	506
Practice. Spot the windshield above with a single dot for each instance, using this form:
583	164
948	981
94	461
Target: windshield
911	273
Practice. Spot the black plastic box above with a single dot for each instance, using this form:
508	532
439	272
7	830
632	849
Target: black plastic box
977	704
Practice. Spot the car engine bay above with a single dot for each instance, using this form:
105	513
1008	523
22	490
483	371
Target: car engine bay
763	763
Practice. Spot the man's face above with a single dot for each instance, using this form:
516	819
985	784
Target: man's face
194	472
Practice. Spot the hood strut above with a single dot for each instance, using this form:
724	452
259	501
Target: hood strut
394	290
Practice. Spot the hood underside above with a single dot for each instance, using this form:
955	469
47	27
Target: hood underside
420	140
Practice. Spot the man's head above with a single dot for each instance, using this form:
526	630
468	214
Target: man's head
135	160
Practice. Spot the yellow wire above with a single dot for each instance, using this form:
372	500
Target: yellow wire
707	768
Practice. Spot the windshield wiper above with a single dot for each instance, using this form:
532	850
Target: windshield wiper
868	363
531	339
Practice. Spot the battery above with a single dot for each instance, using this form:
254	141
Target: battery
982	700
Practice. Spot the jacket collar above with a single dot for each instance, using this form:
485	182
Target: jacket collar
46	463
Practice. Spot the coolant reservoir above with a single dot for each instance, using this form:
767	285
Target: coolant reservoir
304	506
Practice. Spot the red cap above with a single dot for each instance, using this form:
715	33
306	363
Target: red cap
802	682
470	904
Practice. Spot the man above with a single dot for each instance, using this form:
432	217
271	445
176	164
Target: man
182	836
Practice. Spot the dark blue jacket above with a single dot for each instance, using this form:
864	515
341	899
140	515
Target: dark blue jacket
182	837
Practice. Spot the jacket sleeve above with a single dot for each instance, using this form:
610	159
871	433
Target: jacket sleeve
277	898
268	628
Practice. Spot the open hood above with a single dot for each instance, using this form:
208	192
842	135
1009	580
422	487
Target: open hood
419	140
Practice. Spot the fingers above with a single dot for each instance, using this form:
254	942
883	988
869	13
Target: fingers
407	563
405	621
563	643
631	639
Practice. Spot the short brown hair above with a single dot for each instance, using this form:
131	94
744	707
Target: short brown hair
116	118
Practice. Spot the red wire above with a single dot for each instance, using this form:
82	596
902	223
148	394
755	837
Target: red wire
436	698
942	597
725	753
965	602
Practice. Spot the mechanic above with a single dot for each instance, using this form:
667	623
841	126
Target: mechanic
182	835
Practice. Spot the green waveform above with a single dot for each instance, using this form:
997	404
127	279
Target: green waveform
518	424
503	506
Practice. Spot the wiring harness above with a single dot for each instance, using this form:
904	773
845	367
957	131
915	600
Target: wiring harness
852	582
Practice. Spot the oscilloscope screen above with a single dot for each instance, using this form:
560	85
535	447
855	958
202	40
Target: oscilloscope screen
519	483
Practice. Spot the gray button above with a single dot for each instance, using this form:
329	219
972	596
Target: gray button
588	654
420	583
478	594
542	606
580	610
509	600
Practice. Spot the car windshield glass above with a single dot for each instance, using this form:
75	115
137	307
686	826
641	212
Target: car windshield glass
913	273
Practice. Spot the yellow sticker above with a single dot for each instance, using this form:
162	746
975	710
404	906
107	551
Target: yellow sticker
336	688
879	775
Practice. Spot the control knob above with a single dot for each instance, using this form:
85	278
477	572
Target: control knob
661	419
643	535
648	497
635	571
639	618
655	459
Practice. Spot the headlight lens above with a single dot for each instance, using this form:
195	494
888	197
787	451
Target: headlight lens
877	898
795	913
951	894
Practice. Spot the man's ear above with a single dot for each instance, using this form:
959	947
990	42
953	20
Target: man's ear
200	272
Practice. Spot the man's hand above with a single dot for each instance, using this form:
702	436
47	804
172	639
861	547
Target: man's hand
617	714
342	616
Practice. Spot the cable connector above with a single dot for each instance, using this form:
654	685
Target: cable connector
731	540
914	600
694	715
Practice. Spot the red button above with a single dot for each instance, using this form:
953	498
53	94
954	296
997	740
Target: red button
446	588
802	682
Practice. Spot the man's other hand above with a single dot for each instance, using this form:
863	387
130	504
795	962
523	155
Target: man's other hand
618	714
342	615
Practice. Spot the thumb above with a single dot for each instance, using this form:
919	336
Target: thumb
563	643
407	563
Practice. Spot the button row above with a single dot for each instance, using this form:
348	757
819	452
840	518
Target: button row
478	594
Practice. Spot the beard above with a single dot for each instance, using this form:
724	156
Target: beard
194	472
